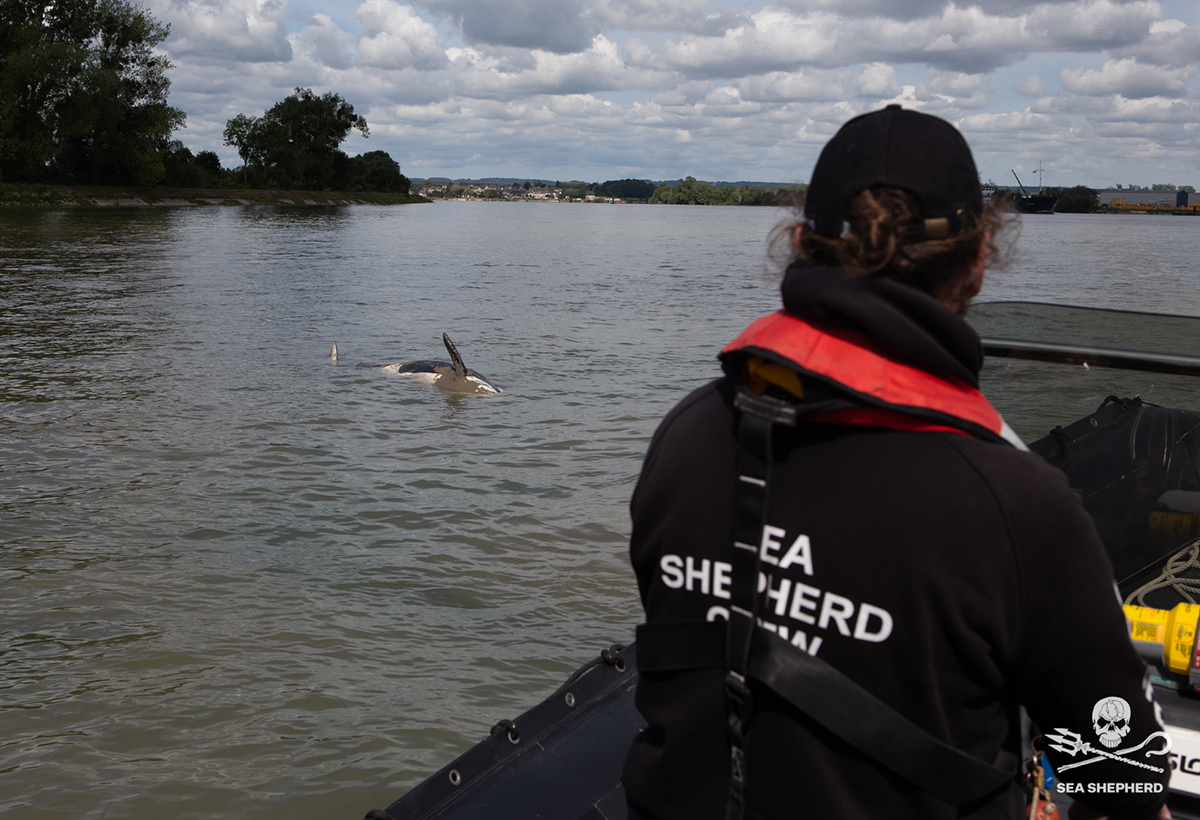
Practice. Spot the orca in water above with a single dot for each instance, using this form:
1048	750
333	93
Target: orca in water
452	376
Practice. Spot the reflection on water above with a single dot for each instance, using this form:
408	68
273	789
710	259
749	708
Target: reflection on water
69	299
240	578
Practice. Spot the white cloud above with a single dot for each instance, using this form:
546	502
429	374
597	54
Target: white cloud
951	93
751	89
395	37
877	81
1091	140
1143	113
808	85
1089	25
323	42
1170	43
1167	27
772	40
692	16
478	74
1128	78
1021	124
913	9
1031	86
214	30
962	39
560	26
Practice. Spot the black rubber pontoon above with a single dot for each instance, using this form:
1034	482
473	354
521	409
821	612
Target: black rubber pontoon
560	760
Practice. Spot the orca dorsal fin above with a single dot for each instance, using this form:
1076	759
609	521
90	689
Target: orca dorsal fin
460	369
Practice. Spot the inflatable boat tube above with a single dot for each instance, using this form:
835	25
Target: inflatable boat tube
562	759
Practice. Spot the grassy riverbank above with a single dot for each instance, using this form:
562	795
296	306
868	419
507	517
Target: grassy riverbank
108	196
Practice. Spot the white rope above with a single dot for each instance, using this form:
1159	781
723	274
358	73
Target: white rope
1172	576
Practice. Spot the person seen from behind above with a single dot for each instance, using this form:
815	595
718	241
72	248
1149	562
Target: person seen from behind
854	575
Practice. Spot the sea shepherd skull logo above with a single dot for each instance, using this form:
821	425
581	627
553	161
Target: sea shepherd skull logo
1110	720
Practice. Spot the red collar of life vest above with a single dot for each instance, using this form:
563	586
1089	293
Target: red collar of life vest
890	394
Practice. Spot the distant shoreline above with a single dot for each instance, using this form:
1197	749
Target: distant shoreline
119	197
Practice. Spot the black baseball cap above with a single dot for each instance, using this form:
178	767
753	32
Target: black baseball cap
897	148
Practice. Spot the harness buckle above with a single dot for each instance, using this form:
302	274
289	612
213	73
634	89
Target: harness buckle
779	411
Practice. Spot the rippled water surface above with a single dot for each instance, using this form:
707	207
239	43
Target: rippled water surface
241	580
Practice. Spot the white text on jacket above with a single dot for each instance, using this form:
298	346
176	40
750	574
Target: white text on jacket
785	598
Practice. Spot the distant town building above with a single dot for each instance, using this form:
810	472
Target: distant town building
1125	199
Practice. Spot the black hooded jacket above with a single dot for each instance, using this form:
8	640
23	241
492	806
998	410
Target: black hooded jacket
955	578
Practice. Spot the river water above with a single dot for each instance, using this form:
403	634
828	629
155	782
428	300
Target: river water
238	579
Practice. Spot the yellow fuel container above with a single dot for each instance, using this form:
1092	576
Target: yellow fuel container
1174	628
1172	524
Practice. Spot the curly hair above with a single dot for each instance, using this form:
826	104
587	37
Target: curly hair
872	243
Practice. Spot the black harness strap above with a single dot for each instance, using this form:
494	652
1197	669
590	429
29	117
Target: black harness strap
837	703
758	415
868	724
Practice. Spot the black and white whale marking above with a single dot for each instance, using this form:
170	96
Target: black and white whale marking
452	376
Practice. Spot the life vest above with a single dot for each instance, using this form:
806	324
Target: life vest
783	350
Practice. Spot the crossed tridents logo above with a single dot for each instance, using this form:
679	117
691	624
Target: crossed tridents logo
1110	721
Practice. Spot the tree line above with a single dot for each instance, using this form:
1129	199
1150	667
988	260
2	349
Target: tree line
84	99
690	192
1157	186
687	192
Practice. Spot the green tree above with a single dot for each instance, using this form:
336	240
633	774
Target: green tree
377	171
180	169
574	190
240	133
627	189
1078	200
210	162
118	122
776	197
83	96
185	170
312	130
691	192
43	46
295	144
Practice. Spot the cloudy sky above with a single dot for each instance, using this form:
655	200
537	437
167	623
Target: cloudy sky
1097	91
